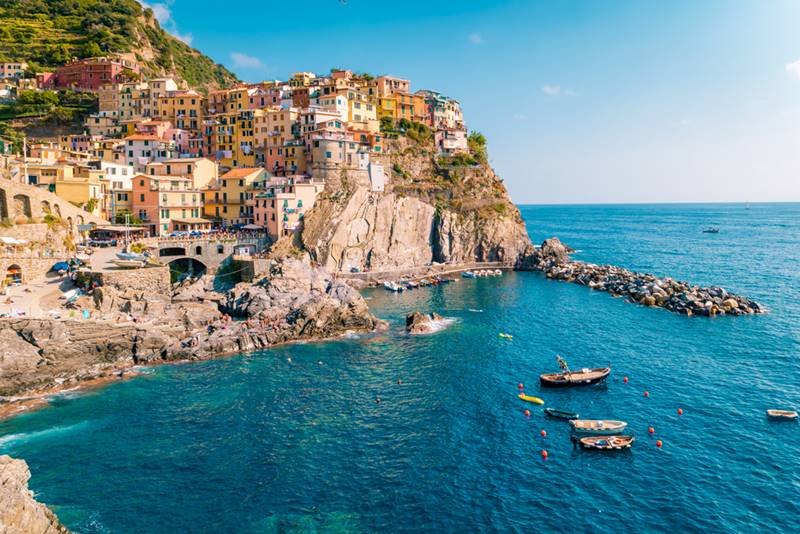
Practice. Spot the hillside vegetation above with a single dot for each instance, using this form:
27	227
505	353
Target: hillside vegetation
48	33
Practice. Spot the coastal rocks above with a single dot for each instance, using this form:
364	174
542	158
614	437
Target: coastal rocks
421	323
295	301
299	301
552	258
19	512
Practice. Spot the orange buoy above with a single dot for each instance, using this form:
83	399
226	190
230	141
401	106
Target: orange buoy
544	454
659	444
651	430
625	379
543	433
680	411
527	413
520	385
646	393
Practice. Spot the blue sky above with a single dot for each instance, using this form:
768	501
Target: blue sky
582	101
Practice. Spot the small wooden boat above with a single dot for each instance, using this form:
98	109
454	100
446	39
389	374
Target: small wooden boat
561	414
584	377
711	231
528	398
469	274
597	426
607	443
787	415
567	378
505	336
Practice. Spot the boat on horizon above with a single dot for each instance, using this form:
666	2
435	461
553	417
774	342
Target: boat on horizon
568	378
711	230
785	415
597	426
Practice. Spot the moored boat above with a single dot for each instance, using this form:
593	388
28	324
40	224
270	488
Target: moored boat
130	256
567	378
393	286
128	264
711	230
469	274
786	415
528	398
561	414
607	443
597	426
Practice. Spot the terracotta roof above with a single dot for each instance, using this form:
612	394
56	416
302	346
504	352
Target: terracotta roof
143	138
241	172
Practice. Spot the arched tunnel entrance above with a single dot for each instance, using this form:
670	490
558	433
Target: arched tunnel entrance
184	268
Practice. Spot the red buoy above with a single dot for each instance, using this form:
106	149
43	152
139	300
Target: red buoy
520	385
544	454
658	443
543	433
651	430
527	413
625	379
646	393
680	411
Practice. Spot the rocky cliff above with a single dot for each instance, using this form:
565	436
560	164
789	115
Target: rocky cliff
432	209
294	301
19	512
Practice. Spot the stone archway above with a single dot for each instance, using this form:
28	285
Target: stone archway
13	274
46	208
182	268
22	206
80	219
57	211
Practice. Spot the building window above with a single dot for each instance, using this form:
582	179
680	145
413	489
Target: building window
220	249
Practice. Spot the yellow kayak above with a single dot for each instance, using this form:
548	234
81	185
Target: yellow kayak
506	336
528	398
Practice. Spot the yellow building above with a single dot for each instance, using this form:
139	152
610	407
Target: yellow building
84	189
46	174
387	107
234	140
201	171
230	200
184	109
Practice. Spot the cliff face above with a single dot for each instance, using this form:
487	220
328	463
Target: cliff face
19	512
430	210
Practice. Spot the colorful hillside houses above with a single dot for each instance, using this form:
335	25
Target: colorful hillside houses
254	154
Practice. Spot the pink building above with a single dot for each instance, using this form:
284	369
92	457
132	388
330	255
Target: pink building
92	73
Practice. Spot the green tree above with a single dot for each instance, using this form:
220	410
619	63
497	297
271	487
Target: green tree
90	49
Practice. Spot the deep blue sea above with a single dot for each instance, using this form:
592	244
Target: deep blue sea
293	440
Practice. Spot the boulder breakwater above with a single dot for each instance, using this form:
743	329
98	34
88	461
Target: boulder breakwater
553	259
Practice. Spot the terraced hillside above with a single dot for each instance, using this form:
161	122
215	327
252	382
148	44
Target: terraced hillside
48	33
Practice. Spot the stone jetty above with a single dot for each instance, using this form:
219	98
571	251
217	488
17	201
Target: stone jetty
553	259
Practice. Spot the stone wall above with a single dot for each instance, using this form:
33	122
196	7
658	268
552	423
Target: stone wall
32	268
148	279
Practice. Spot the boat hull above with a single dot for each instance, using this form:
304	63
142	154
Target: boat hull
597	427
563	380
561	414
607	443
528	398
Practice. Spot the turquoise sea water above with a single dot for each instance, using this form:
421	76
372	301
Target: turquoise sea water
293	440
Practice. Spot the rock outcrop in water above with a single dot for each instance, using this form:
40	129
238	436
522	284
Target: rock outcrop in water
553	259
429	211
295	301
422	323
19	512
